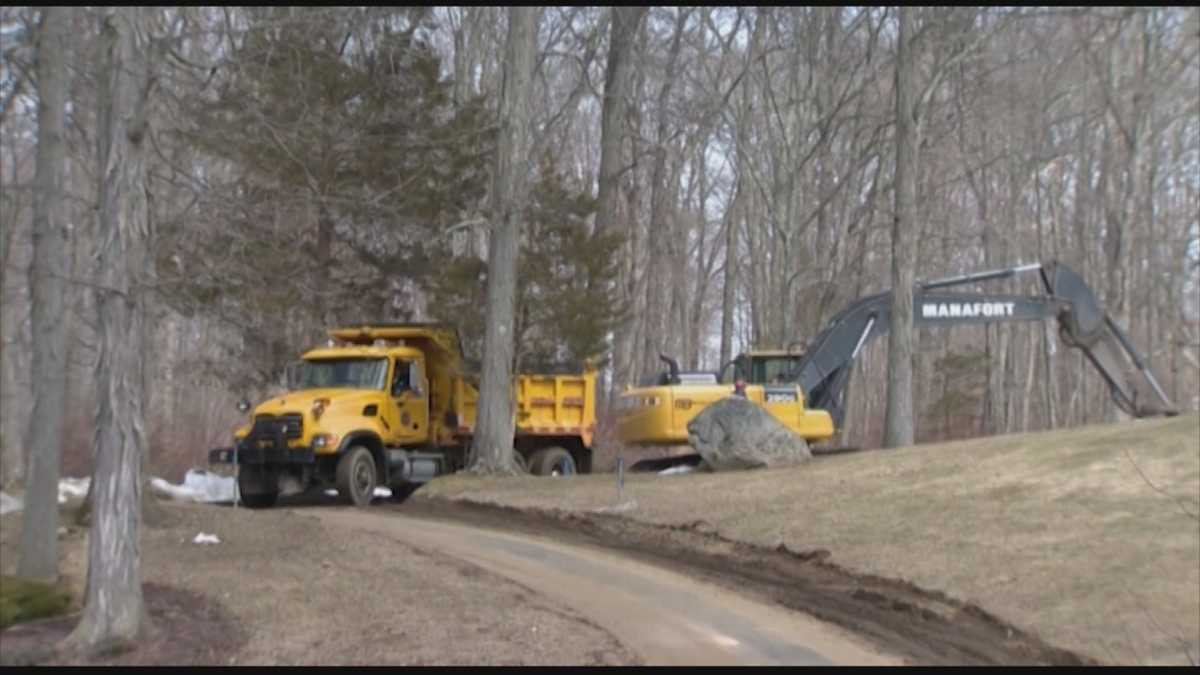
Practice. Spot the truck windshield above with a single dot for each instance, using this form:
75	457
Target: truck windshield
340	373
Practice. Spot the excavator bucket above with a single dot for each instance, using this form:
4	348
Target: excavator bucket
1086	326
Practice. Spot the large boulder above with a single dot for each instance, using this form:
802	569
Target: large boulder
733	434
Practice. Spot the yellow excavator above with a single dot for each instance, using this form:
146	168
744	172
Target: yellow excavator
805	389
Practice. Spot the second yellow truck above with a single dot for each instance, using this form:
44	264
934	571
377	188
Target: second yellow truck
390	405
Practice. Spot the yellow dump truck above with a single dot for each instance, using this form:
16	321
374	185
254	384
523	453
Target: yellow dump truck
390	404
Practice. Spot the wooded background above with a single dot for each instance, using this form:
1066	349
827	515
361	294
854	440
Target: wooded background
702	180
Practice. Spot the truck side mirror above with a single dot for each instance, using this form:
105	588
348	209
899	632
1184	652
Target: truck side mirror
243	405
294	375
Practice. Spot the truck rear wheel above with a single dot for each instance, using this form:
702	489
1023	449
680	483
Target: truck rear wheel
553	461
356	476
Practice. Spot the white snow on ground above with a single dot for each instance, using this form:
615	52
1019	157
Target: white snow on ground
682	468
67	488
198	486
8	503
203	538
72	487
213	487
380	491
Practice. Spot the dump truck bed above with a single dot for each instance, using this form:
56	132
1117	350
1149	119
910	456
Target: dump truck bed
546	405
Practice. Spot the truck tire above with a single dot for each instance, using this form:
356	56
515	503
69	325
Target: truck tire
552	461
356	476
263	501
253	490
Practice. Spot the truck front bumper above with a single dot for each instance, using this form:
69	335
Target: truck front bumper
265	444
261	456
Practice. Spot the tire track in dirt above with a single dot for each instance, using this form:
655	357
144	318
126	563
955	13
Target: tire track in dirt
919	625
665	617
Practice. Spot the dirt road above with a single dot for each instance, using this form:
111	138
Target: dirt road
440	582
668	619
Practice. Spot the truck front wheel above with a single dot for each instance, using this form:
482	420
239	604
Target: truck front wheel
256	487
356	476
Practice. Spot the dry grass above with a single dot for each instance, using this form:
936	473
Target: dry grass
1090	537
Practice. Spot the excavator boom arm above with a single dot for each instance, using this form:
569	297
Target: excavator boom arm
826	365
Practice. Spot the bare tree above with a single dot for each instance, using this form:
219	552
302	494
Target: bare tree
18	53
898	425
624	26
39	532
663	191
492	448
113	613
741	189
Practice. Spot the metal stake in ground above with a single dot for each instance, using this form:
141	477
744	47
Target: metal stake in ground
620	480
237	477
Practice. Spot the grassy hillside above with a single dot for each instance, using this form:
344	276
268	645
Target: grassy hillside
1090	536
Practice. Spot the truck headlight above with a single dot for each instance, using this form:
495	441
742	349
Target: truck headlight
321	441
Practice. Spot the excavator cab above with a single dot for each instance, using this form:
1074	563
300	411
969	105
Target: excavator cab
768	366
764	366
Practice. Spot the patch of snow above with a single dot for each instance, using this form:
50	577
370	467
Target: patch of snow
198	486
675	470
214	487
203	538
380	491
9	503
72	487
177	492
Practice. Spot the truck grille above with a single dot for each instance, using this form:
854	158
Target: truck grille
292	425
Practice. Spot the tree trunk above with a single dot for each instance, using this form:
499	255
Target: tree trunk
493	444
12	451
39	531
114	613
662	206
898	419
629	341
738	203
624	27
729	283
